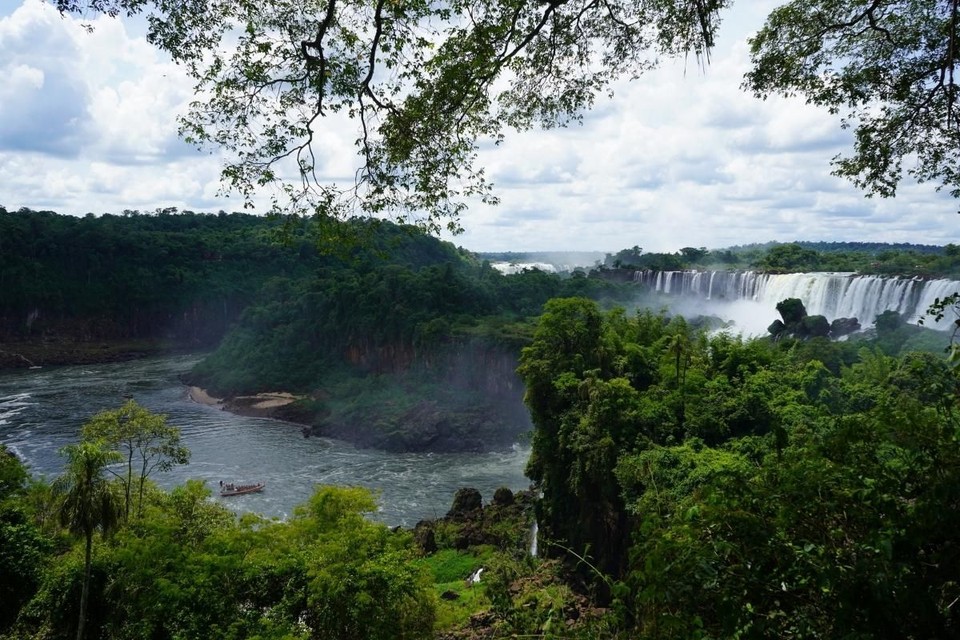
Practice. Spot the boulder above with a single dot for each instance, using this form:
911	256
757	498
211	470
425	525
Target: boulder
503	497
777	328
424	536
843	326
815	327
466	503
792	311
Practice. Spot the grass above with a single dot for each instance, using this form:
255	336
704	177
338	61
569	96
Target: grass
450	569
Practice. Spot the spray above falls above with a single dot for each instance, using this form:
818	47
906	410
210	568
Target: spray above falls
834	295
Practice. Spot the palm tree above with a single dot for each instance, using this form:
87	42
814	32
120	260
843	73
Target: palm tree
87	503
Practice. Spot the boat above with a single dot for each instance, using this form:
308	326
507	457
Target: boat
241	489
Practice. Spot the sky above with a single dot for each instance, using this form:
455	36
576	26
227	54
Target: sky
679	157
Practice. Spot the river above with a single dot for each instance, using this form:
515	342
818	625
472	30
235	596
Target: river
42	410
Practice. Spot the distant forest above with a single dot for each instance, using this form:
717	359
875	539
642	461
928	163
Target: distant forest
853	247
394	330
186	277
861	257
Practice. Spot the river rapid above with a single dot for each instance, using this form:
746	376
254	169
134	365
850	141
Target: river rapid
42	410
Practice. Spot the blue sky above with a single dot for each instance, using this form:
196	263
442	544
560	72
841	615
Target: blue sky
679	157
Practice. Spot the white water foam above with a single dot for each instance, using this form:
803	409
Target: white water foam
834	295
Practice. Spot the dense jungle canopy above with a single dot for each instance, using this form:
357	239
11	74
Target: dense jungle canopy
692	486
690	483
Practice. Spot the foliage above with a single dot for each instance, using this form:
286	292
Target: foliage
423	83
23	546
381	316
177	276
887	67
87	503
789	258
822	540
141	437
802	256
745	489
13	475
452	565
189	568
941	308
370	341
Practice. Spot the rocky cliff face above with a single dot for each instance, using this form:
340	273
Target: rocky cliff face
469	363
201	323
459	397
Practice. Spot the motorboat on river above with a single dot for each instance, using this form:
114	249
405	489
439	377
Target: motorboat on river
240	489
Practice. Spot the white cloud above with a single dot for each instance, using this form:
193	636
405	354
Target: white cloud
679	157
21	78
88	118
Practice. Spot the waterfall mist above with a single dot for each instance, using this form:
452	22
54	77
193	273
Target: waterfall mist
748	299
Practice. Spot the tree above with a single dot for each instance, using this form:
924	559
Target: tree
142	436
692	254
87	504
23	546
887	66
424	83
13	475
789	257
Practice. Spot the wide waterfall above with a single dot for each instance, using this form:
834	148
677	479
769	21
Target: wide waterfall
834	295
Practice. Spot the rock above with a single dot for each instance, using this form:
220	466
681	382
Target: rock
503	497
466	503
450	595
792	311
777	328
843	326
425	537
815	327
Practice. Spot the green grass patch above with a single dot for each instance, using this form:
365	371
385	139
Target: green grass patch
456	613
450	569
449	565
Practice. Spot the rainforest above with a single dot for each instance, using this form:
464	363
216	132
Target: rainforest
687	480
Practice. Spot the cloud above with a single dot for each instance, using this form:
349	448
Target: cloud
679	157
42	102
88	119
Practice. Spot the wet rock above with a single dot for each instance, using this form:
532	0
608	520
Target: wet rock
843	326
815	327
792	311
503	497
777	328
467	503
424	536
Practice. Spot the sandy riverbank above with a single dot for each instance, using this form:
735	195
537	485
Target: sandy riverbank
200	396
258	405
268	400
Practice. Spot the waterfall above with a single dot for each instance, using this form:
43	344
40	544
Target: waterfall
534	530
834	295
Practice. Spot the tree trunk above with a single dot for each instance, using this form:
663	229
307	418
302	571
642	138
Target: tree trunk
143	481
126	510
85	590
